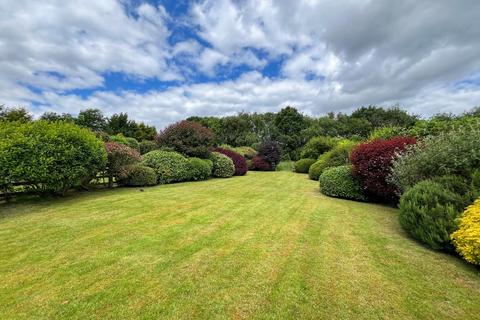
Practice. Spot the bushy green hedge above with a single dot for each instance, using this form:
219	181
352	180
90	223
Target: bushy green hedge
303	165
336	157
428	212
223	166
133	143
170	166
137	176
49	156
200	169
339	182
317	146
147	146
246	152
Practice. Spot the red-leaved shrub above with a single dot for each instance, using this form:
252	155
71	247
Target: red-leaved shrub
372	163
119	155
261	164
238	160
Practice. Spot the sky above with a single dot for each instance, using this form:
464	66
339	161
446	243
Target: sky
163	61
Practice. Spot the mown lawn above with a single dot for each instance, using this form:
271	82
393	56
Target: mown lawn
263	246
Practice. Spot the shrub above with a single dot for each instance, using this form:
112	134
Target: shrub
137	176
271	152
428	213
455	152
459	186
246	152
188	138
169	166
317	146
338	156
387	133
467	238
285	166
147	146
133	143
49	156
119	155
303	165
250	165
239	161
200	169
339	182
119	138
372	163
261	164
223	166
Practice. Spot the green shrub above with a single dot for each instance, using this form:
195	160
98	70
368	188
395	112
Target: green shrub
428	212
169	166
119	156
147	146
223	166
200	169
317	146
285	166
336	157
250	165
119	138
49	156
339	182
303	165
137	176
133	143
459	186
246	152
387	133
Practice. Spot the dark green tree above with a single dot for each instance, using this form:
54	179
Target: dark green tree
119	123
19	114
290	123
92	119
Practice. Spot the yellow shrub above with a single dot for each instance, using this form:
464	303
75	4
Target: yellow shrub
467	238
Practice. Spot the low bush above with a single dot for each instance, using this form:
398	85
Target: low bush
467	238
317	146
133	143
340	183
338	156
119	155
200	169
372	163
169	166
137	176
261	164
285	166
246	152
428	212
303	165
223	166
387	133
147	146
250	165
271	152
239	161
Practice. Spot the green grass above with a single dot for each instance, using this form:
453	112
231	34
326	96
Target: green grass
264	246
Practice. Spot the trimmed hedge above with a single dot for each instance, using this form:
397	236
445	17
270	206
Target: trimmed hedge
467	238
137	176
170	166
239	161
303	165
200	169
338	156
223	166
340	183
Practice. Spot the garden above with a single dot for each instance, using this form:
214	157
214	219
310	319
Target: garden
374	214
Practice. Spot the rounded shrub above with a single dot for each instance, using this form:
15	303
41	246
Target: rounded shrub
387	133
223	166
261	164
338	156
372	162
147	146
428	212
247	152
119	155
188	138
200	169
271	152
119	138
317	146
49	156
303	165
239	161
340	183
170	166
467	238
137	176
133	143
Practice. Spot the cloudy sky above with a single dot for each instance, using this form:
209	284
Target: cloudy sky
162	61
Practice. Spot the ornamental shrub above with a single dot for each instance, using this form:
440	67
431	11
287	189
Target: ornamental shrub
455	152
223	166
428	212
467	238
49	156
246	152
170	166
340	183
303	165
387	133
119	138
271	152
147	146
188	138
118	156
200	169
239	161
372	163
137	176
338	156
317	146
261	164
133	143
250	165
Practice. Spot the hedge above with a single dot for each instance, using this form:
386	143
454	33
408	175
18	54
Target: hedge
170	166
223	166
339	182
239	161
303	165
137	176
338	156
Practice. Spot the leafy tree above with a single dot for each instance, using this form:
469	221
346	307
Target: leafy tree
53	116
290	123
92	119
144	132
19	114
119	123
271	152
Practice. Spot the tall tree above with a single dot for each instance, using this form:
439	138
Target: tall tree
92	119
119	123
290	123
53	116
14	114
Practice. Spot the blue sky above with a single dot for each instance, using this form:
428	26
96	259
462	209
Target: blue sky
162	61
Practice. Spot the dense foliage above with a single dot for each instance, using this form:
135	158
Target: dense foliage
303	165
246	152
119	155
200	169
239	161
428	212
47	156
338	156
147	146
170	166
260	164
290	124
317	146
339	182
271	152
188	138
223	166
137	176
467	238
372	163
